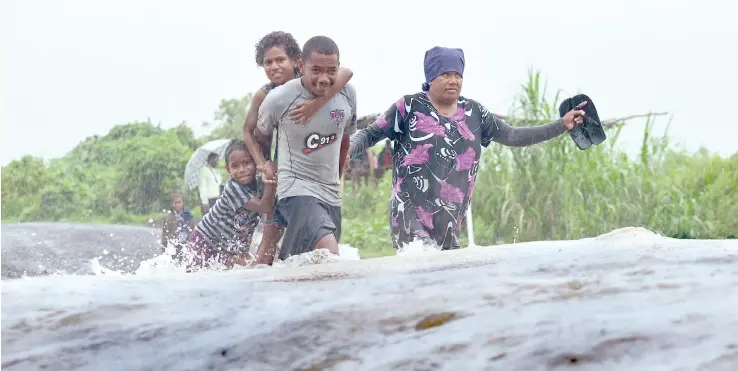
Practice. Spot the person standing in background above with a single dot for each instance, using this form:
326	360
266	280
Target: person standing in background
361	169
177	226
209	183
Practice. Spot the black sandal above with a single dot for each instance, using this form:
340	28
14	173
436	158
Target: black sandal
590	131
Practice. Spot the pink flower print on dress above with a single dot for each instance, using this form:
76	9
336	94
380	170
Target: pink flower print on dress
400	104
382	122
393	221
426	218
428	124
450	193
464	130
458	115
465	160
460	120
418	156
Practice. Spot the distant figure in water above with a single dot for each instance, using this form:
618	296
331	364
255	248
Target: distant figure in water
438	136
178	225
224	234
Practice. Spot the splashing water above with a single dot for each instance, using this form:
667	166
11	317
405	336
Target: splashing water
629	299
416	248
165	265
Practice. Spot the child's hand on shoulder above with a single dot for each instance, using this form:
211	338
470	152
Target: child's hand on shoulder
270	172
304	111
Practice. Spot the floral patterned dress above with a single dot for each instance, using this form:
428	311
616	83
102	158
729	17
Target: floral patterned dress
435	162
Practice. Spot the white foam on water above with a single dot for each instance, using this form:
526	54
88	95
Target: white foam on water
99	270
165	265
417	247
629	299
160	266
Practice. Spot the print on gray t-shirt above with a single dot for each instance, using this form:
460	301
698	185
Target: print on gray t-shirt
308	153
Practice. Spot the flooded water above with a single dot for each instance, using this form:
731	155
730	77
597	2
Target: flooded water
33	249
626	300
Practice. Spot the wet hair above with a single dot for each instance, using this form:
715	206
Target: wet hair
277	38
234	145
320	44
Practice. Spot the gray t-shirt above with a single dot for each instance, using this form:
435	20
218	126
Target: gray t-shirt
308	153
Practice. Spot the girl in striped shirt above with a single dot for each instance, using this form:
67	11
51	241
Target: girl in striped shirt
224	234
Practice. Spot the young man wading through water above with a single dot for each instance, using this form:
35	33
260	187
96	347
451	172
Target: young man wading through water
438	136
280	56
312	157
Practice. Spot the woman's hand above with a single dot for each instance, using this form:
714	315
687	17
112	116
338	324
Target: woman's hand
574	117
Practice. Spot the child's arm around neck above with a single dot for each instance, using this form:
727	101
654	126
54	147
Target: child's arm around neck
343	76
304	111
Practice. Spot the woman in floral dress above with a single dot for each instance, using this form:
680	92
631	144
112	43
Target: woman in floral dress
438	136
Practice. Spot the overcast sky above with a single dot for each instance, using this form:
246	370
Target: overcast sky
72	68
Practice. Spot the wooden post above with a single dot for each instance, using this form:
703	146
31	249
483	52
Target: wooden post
470	226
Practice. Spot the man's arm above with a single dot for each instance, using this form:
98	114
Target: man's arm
254	146
345	144
348	131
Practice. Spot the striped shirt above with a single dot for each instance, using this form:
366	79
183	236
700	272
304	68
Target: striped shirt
229	225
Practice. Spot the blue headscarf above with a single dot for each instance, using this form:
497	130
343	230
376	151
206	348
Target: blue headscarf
440	60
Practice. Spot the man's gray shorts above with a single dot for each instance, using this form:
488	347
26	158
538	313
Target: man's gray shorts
307	220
